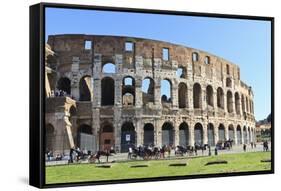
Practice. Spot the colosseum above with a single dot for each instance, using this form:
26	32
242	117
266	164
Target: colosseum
107	92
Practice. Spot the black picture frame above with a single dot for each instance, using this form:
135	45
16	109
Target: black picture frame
37	92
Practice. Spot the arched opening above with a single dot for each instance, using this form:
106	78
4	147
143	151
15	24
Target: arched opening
64	85
166	91
195	57
181	72
147	90
211	134
245	135
221	133
50	137
207	60
210	97
148	134
167	134
231	132
107	91
237	103
182	95
229	102
128	91
197	96
220	98
198	134
109	68
239	135
85	137
228	82
128	136
106	136
183	134
85	88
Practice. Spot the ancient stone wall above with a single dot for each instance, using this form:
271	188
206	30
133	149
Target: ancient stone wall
208	102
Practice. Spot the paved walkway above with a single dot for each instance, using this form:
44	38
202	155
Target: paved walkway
124	156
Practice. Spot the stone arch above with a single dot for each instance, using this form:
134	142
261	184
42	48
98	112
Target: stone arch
50	137
182	95
85	139
197	96
210	96
106	136
128	91
220	98
147	90
128	136
85	88
64	84
221	133
239	134
237	103
228	82
229	102
183	134
231	132
166	91
107	91
108	68
168	134
211	134
148	134
198	134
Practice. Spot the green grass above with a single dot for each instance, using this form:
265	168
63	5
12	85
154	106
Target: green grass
88	172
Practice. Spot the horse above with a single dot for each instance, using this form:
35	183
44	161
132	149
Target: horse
180	150
93	157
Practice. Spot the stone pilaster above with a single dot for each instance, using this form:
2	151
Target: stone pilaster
75	77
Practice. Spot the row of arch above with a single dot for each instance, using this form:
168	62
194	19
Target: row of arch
233	101
185	135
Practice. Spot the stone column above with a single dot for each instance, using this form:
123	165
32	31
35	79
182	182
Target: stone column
118	80
75	77
226	132
204	98
242	135
174	94
235	135
97	80
216	133
215	100
96	125
176	135
190	97
139	130
138	92
158	128
191	133
248	136
205	133
117	128
157	92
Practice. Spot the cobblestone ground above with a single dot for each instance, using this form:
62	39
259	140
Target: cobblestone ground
124	156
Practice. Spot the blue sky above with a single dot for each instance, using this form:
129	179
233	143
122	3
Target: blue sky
243	42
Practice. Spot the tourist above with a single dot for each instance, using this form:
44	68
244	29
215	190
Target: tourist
244	147
130	152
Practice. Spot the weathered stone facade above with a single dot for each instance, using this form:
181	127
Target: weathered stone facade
208	102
